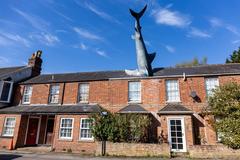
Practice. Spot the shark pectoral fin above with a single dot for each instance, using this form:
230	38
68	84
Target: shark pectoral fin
133	36
151	57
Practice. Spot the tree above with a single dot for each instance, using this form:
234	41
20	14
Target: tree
235	57
225	106
194	62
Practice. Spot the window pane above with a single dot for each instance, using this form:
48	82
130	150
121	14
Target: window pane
172	90
27	94
83	92
211	84
66	127
134	91
9	126
54	94
85	132
5	91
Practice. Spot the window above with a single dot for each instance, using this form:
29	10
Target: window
5	91
27	94
211	84
85	131
9	126
134	91
83	92
172	91
54	94
66	128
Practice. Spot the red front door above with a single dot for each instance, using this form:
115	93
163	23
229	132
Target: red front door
32	131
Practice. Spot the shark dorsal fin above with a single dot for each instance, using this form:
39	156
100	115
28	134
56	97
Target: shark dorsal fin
151	57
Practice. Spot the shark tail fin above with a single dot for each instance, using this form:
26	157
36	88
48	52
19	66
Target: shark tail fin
138	15
151	57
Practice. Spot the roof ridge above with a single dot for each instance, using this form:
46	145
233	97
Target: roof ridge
204	65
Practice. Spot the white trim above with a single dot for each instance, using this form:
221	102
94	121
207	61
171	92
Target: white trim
5	121
166	91
39	128
45	131
140	92
183	132
26	133
30	95
82	138
65	138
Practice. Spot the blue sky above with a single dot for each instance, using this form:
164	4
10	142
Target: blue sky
78	35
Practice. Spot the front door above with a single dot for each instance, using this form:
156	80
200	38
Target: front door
176	134
49	131
32	131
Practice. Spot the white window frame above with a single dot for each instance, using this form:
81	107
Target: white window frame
10	90
60	128
140	92
28	94
83	138
167	91
209	92
50	94
79	93
12	127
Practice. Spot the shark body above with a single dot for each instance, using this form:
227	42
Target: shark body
144	59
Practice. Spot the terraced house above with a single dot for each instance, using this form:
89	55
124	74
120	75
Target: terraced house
53	109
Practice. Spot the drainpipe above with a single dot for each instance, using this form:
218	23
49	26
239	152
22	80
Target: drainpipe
63	91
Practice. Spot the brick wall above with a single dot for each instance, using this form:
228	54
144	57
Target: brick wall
5	142
213	151
75	144
134	149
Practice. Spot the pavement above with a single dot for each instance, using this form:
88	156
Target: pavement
13	155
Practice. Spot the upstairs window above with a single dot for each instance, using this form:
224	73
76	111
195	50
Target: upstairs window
83	93
5	91
9	125
85	130
134	91
211	84
172	90
54	94
27	94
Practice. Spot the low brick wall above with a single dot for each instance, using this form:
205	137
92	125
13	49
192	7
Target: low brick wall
134	149
212	151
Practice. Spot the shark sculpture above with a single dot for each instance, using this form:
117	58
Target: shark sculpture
144	59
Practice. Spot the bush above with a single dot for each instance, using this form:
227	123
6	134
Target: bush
121	127
225	106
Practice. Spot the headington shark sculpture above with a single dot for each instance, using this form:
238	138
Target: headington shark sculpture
144	59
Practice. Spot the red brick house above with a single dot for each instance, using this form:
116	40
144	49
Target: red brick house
53	109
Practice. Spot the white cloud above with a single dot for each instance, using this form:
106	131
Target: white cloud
100	13
4	61
194	32
172	18
236	41
101	53
45	38
82	46
233	29
62	15
215	22
4	41
170	48
87	34
35	21
10	39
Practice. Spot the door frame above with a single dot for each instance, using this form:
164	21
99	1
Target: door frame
45	134
183	132
38	128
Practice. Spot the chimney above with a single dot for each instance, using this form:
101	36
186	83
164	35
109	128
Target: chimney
35	62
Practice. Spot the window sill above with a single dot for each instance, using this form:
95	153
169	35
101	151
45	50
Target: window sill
65	139
86	140
6	136
83	102
134	102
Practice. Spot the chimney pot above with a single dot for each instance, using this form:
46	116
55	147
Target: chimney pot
35	62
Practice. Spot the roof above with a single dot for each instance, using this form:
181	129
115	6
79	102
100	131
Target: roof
203	70
133	108
174	108
5	71
51	109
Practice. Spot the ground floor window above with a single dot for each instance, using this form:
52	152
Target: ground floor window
66	128
9	126
85	129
